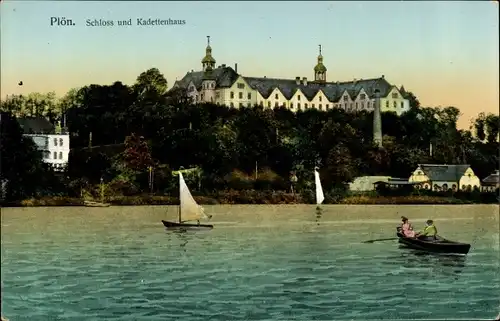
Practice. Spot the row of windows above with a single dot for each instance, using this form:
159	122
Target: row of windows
60	141
46	155
240	95
394	104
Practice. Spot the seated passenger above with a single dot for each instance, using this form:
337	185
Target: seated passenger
407	228
429	233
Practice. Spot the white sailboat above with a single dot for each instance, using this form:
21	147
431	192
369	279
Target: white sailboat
320	197
189	210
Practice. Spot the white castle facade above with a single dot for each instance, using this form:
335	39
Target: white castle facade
224	86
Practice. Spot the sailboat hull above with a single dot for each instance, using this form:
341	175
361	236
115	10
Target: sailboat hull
180	226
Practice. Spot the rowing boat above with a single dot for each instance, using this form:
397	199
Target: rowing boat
440	245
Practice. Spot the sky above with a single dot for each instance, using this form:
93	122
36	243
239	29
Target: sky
446	53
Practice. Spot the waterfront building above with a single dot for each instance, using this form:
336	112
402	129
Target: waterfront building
442	177
52	141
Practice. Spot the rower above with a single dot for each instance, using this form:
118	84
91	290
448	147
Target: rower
429	233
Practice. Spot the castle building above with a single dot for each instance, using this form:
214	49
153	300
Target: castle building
223	85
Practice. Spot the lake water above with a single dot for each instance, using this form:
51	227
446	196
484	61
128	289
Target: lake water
258	263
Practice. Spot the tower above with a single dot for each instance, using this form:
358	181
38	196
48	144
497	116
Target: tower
377	121
208	62
320	69
208	82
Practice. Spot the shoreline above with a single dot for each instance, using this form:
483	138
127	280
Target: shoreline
272	198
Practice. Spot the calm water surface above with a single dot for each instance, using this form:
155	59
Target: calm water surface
258	263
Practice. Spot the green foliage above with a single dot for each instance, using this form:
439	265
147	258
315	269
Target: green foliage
134	136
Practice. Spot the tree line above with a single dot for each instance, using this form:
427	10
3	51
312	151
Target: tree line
132	137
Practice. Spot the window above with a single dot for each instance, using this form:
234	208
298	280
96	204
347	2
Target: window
362	96
394	104
261	103
55	141
241	104
232	94
55	155
202	96
298	105
320	98
326	106
402	105
395	95
291	105
312	105
240	95
249	104
276	96
320	107
276	104
232	104
60	155
217	95
387	104
305	105
345	98
241	86
47	154
60	141
269	104
350	106
356	105
213	85
298	97
249	95
362	105
191	88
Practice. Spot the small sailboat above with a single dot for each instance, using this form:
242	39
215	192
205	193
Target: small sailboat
320	197
189	210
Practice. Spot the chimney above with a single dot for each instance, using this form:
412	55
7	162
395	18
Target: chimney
223	65
236	67
383	77
304	81
377	121
297	80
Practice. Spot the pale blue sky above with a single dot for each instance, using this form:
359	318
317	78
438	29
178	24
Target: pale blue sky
446	52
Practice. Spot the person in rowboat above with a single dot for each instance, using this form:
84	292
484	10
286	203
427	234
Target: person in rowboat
407	228
429	233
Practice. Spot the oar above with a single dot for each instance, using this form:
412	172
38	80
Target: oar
379	240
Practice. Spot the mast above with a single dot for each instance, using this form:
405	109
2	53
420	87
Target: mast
180	197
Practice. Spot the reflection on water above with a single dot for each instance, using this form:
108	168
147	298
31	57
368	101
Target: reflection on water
440	264
318	214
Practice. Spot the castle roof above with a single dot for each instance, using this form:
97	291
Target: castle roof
225	77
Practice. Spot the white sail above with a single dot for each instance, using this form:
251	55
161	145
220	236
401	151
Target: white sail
190	210
320	197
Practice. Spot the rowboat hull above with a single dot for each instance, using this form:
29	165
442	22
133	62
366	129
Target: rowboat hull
95	204
185	226
439	246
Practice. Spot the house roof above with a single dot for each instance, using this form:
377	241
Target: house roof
439	172
36	125
226	76
492	179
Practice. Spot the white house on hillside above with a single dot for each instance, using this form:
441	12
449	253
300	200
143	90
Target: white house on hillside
224	86
53	142
439	177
